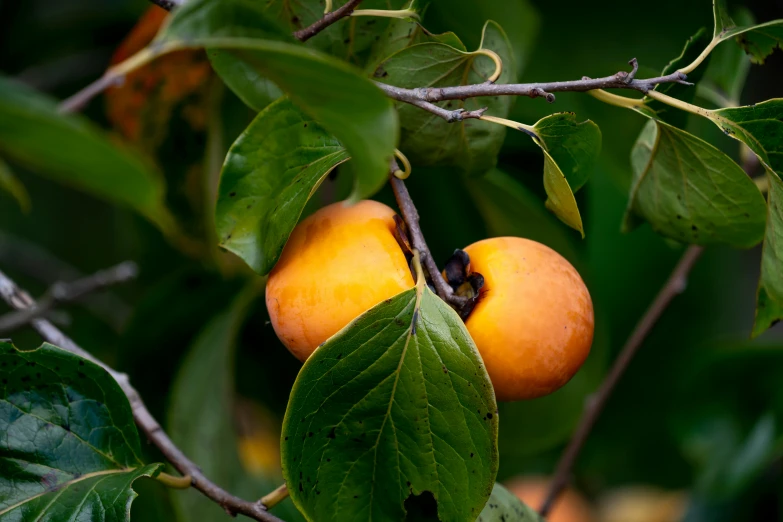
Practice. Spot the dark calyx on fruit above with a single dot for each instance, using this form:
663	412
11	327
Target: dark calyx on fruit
464	282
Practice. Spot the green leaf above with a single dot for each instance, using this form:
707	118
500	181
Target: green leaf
402	34
201	421
270	173
71	150
569	147
10	184
245	81
769	305
686	93
759	126
504	506
757	40
560	197
692	192
222	18
240	19
70	445
395	406
427	139
574	146
336	95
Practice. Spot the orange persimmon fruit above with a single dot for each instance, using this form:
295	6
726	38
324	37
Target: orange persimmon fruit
533	322
338	263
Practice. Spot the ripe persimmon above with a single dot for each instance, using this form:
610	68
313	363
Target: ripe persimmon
338	263
570	506
533	321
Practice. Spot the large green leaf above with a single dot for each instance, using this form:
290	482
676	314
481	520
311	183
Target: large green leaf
427	139
692	192
71	150
201	421
336	95
757	40
395	406
70	446
759	126
238	18
269	175
247	83
504	506
769	306
10	184
402	34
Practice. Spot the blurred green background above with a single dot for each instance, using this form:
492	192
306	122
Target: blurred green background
700	409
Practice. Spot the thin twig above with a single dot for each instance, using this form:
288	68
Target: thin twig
328	19
619	80
61	293
34	261
20	300
275	497
595	405
449	116
76	102
411	217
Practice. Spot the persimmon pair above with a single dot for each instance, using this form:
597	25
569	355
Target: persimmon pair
532	321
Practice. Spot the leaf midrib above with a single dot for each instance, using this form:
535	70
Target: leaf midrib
65	485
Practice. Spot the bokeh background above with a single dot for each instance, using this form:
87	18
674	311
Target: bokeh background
699	411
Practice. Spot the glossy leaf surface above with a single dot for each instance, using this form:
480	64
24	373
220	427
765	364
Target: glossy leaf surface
396	405
70	445
269	175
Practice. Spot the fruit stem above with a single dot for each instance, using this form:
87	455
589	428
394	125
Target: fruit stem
385	13
406	165
420	279
272	499
173	482
411	217
498	63
703	56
